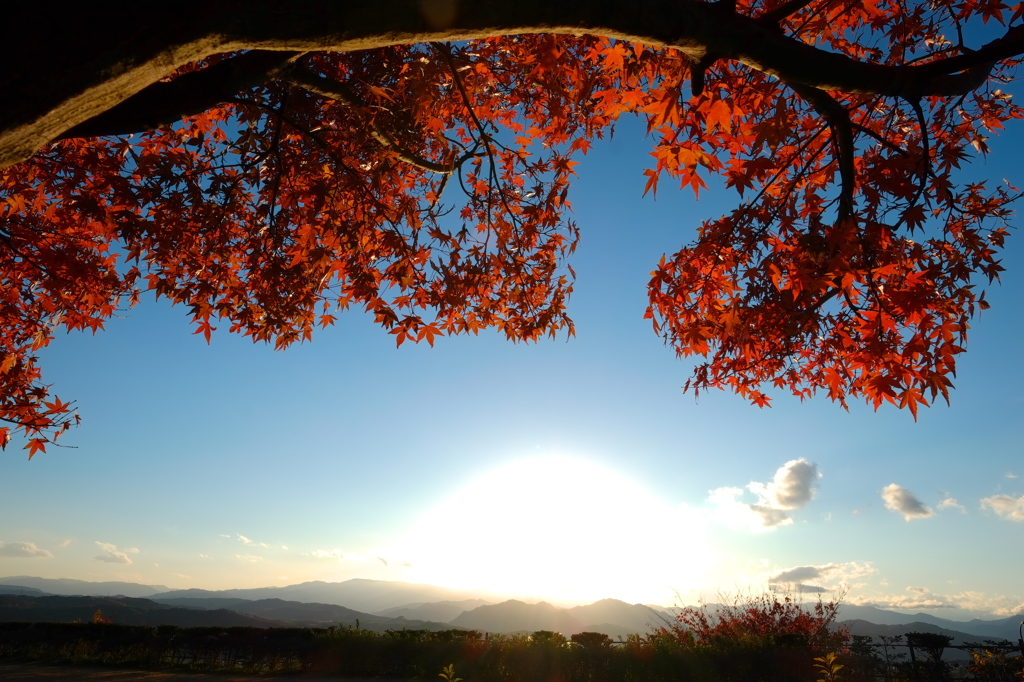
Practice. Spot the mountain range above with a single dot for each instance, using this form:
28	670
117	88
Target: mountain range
370	596
122	610
999	628
381	605
443	611
72	587
610	616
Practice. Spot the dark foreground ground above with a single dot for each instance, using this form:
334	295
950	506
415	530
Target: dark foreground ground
30	672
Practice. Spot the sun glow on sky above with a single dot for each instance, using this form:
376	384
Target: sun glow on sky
562	528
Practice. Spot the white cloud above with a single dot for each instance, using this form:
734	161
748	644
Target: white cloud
1005	506
998	605
949	502
899	499
1009	610
1010	474
769	516
370	554
923	598
24	549
113	555
919	598
791	488
246	541
251	558
824	578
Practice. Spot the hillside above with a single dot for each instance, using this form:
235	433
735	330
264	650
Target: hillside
442	611
309	614
610	616
368	596
629	618
222	612
977	629
874	630
121	610
516	616
18	589
69	586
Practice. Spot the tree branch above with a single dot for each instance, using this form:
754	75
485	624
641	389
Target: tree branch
698	72
838	119
93	58
164	103
341	92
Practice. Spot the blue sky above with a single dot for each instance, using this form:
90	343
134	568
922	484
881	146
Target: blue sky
569	469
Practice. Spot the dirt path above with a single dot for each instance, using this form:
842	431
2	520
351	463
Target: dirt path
31	672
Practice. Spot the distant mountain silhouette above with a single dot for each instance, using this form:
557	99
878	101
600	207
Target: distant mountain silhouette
629	618
304	613
369	596
72	587
442	611
516	616
202	603
193	612
863	627
1005	627
121	610
1002	628
610	616
18	589
381	604
877	615
866	628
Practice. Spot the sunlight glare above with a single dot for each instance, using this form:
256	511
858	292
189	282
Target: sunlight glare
563	529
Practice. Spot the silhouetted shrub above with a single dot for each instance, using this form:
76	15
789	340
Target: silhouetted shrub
700	654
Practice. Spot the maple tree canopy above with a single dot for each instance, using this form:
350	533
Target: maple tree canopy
269	163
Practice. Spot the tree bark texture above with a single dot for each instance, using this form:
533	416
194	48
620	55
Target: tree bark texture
70	66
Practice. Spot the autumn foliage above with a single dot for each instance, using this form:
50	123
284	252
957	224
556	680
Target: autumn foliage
766	618
428	184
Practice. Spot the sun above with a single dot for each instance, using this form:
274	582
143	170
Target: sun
560	528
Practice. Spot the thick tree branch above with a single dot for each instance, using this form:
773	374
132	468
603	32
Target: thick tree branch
1010	44
698	72
93	58
838	119
164	103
